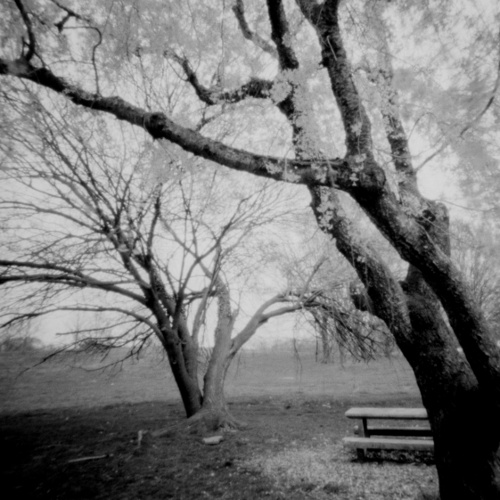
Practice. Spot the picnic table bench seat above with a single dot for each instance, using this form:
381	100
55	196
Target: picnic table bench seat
416	436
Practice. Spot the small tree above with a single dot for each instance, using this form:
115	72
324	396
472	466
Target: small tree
141	242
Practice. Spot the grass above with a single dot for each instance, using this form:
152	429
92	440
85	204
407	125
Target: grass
326	468
291	449
76	381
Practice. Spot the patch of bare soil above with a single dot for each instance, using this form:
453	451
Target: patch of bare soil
100	453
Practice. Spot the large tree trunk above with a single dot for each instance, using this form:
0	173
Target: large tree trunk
458	382
214	412
187	384
464	419
464	416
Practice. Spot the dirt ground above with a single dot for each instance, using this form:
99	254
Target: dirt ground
45	454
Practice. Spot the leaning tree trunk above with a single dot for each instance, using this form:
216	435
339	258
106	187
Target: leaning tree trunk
180	361
181	352
214	412
464	412
464	417
464	420
326	347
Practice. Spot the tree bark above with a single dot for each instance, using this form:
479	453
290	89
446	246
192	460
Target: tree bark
214	412
188	386
326	348
464	417
458	372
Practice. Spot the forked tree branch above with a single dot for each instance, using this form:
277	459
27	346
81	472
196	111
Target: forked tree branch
239	12
60	26
383	78
257	88
160	126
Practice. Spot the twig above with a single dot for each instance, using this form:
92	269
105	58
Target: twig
86	459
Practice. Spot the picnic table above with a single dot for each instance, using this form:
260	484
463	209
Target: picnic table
415	436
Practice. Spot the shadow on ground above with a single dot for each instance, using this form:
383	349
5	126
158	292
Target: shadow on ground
95	453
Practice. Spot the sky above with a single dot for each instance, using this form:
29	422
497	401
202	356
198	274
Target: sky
434	180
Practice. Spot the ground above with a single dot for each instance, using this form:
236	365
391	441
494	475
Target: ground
291	448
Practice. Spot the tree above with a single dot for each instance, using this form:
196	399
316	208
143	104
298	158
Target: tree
338	321
293	60
143	243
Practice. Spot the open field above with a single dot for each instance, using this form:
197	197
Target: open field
56	414
75	381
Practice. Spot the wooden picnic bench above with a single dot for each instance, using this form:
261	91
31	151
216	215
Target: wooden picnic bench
390	437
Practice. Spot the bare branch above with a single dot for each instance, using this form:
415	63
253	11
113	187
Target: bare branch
60	26
311	9
160	126
29	28
239	12
256	87
383	77
324	19
64	276
280	35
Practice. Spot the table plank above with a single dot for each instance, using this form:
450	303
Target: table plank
388	444
388	413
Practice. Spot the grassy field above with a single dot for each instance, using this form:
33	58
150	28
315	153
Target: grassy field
57	415
77	381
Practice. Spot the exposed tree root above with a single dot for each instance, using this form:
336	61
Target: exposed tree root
203	423
206	421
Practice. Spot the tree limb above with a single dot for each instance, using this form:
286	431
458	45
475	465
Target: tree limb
66	276
29	28
239	12
159	126
280	34
257	88
324	19
383	77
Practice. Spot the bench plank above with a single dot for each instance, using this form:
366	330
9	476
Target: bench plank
389	444
398	431
388	413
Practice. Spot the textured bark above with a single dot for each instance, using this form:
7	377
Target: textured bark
213	397
188	387
463	418
181	363
458	372
214	413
